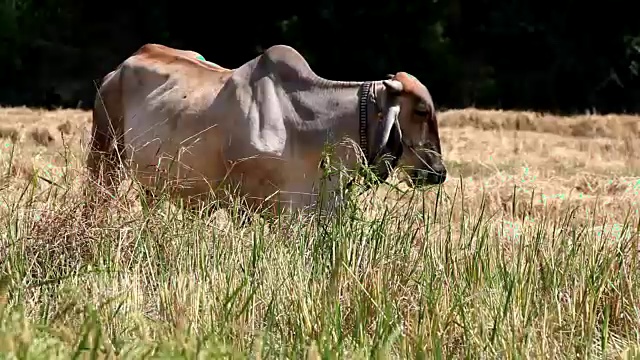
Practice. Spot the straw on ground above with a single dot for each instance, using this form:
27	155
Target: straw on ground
529	249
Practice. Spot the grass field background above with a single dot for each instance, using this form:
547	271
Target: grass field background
530	249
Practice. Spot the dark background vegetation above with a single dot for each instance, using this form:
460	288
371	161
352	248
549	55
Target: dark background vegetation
563	56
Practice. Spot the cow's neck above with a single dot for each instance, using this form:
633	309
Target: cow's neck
349	107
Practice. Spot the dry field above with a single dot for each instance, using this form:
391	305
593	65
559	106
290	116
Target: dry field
530	249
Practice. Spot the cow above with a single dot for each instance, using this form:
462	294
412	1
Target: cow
260	128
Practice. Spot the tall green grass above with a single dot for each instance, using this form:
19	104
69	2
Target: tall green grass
408	277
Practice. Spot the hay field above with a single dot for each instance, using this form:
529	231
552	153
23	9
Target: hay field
530	249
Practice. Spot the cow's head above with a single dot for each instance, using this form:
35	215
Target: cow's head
407	131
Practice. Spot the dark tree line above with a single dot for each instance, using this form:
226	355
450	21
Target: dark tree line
565	56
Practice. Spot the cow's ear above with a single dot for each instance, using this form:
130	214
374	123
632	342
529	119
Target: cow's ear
393	86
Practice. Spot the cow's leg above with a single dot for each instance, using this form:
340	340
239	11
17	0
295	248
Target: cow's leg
149	197
330	199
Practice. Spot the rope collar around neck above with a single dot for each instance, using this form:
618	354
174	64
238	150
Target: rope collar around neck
364	117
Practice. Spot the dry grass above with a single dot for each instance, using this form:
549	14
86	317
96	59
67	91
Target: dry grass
529	249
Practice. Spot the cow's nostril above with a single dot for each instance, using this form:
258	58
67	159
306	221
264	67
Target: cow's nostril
437	178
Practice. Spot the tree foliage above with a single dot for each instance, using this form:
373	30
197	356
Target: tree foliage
566	56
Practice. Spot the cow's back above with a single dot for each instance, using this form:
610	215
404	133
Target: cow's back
167	91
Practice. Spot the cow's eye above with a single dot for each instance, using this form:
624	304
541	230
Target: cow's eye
420	109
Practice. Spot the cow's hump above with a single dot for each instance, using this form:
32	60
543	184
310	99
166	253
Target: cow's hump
288	64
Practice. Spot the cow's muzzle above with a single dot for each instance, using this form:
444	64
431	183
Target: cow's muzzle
432	170
422	177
